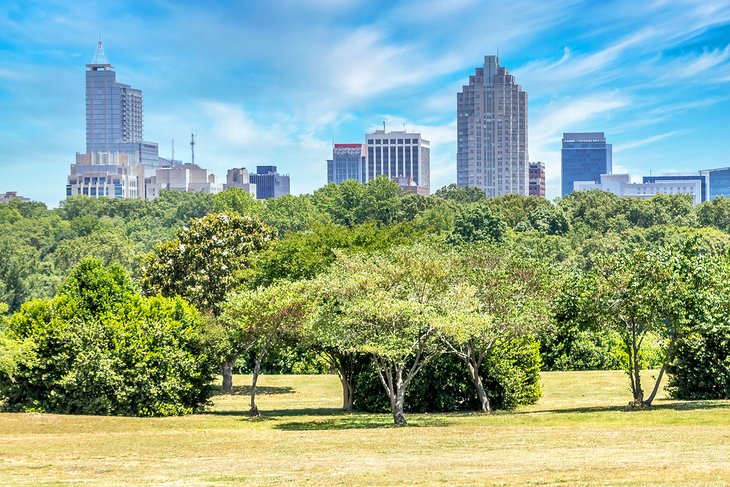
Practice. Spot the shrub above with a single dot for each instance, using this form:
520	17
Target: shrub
100	348
512	379
700	366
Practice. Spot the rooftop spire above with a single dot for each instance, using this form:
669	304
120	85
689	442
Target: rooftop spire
100	57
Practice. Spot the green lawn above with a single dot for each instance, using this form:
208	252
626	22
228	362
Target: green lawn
577	434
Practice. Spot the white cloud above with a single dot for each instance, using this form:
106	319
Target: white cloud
627	146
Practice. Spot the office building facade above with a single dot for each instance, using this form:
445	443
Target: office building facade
585	156
492	152
537	179
106	174
398	154
269	183
348	162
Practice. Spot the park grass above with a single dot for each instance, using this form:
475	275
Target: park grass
579	433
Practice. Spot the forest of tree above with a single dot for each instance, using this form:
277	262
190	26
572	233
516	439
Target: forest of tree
418	303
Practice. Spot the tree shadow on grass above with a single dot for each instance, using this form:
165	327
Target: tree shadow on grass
357	421
674	405
260	390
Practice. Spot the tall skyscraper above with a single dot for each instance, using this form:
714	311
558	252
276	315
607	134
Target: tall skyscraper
114	115
585	156
537	179
348	162
492	132
398	154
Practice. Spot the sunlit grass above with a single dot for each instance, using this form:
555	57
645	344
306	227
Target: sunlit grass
579	433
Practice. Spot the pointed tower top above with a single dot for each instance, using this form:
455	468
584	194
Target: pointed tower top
100	59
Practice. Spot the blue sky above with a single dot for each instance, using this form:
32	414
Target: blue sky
276	82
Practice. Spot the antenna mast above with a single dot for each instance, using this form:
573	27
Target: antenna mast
192	147
172	157
383	125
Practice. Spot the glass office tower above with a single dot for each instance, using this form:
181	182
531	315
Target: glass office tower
585	156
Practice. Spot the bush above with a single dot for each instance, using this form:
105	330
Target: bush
513	379
109	354
700	366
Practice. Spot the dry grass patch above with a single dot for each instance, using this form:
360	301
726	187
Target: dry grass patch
579	433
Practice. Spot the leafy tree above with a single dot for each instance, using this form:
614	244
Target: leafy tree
715	213
475	223
503	302
387	303
550	220
638	293
461	195
237	201
263	317
292	214
205	263
515	209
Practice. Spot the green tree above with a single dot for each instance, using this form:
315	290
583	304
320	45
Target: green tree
503	302
475	223
263	317
461	195
205	263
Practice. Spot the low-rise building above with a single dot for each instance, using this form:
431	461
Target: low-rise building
408	185
189	178
621	185
10	196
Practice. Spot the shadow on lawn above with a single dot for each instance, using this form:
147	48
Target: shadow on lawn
260	390
676	406
348	421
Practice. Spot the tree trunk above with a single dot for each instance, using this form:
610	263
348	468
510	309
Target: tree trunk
653	394
399	418
635	370
347	393
227	372
344	364
254	411
477	380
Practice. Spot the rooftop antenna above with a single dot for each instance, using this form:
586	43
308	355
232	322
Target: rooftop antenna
383	125
192	147
172	156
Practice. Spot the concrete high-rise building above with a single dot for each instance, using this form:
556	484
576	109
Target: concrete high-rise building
348	162
585	157
114	113
537	179
238	177
269	183
492	132
106	174
398	154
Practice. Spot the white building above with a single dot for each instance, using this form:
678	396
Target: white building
238	178
189	178
398	154
621	185
111	174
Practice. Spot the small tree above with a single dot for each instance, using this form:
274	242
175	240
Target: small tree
502	300
387	309
204	264
263	317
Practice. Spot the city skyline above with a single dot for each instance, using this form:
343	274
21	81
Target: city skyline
274	84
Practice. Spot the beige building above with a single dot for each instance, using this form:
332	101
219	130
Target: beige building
10	196
492	132
238	178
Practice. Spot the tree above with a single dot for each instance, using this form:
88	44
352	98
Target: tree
638	293
205	263
502	301
261	318
475	223
292	214
386	305
461	195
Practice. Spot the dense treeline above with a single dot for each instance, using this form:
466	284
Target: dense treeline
376	285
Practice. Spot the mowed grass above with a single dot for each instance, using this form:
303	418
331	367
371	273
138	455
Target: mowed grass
578	434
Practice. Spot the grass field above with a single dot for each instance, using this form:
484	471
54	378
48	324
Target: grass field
578	434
